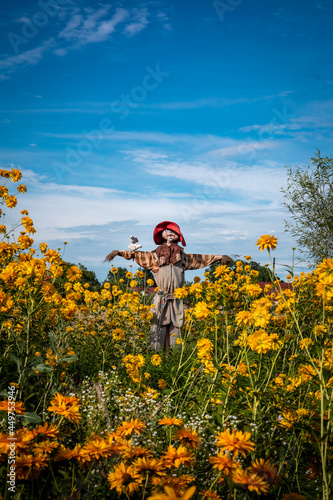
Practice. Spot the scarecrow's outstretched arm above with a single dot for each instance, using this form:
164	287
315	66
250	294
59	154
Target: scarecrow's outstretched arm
143	259
127	254
198	260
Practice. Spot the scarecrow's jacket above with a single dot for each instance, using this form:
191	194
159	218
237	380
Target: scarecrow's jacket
168	277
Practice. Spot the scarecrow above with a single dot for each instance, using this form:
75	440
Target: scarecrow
168	263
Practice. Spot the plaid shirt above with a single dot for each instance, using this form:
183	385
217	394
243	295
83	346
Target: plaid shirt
191	260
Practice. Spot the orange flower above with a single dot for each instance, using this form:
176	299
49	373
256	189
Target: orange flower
253	481
171	494
129	428
46	446
46	430
235	441
151	466
224	463
136	452
174	458
15	406
125	478
98	448
264	469
66	406
68	454
188	437
170	421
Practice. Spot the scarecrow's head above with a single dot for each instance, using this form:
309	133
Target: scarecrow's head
168	231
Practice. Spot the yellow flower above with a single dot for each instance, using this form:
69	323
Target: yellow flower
21	188
118	334
42	246
150	282
3	191
244	318
201	310
156	359
306	343
324	271
247	257
253	290
11	201
15	175
150	393
221	271
162	383
266	242
319	330
180	293
133	284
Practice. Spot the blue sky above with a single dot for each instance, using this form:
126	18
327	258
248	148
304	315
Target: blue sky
124	114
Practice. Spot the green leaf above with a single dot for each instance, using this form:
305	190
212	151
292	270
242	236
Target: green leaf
4	394
53	344
69	359
32	418
16	360
43	368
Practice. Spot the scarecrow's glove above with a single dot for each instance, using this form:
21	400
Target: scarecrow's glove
225	260
111	255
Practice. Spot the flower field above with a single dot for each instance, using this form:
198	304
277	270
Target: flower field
241	408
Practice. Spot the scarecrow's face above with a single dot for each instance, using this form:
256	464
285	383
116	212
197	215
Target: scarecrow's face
170	236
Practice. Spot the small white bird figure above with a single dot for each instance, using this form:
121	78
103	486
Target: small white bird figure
135	245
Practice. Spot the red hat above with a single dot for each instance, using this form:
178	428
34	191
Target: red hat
167	225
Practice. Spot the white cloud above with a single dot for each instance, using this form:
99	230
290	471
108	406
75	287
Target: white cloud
92	27
257	181
139	22
84	26
28	57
